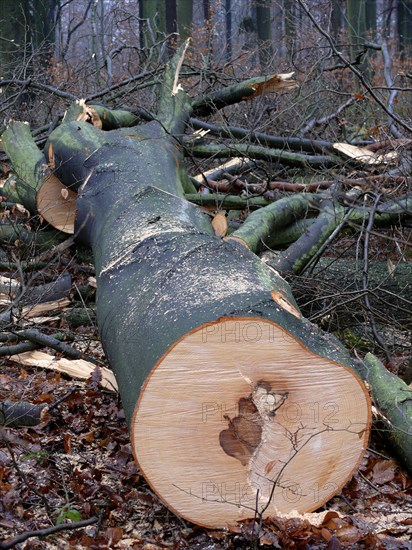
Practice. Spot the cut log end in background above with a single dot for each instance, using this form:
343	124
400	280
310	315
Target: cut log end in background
264	426
57	204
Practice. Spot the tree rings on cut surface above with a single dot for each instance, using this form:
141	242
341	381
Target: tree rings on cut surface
238	413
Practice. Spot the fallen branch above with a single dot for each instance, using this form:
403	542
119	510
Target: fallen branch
17	415
329	222
220	200
294	143
257	231
23	347
393	399
48	531
208	104
218	150
37	337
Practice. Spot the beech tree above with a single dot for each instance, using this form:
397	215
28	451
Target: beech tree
236	404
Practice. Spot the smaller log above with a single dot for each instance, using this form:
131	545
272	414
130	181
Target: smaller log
36	184
393	398
226	201
260	228
82	139
29	163
20	414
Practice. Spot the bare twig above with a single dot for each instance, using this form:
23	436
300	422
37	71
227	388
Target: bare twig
38	86
48	531
26	481
326	119
350	65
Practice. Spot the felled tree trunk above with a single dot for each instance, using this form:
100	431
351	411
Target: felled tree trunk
236	404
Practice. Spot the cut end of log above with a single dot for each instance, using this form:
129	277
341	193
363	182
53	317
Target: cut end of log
219	224
57	204
237	239
238	416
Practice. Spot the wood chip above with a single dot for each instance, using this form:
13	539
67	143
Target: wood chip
77	368
46	307
362	154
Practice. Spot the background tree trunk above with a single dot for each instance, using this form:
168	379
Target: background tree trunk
228	6
405	27
15	35
264	31
184	18
356	15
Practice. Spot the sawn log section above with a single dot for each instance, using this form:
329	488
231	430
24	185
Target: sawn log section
233	400
235	403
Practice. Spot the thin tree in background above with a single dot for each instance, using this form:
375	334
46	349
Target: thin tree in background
264	32
356	16
206	9
228	6
370	16
43	24
405	27
184	14
336	18
14	35
153	21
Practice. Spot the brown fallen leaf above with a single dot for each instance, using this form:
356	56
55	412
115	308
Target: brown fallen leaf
383	472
